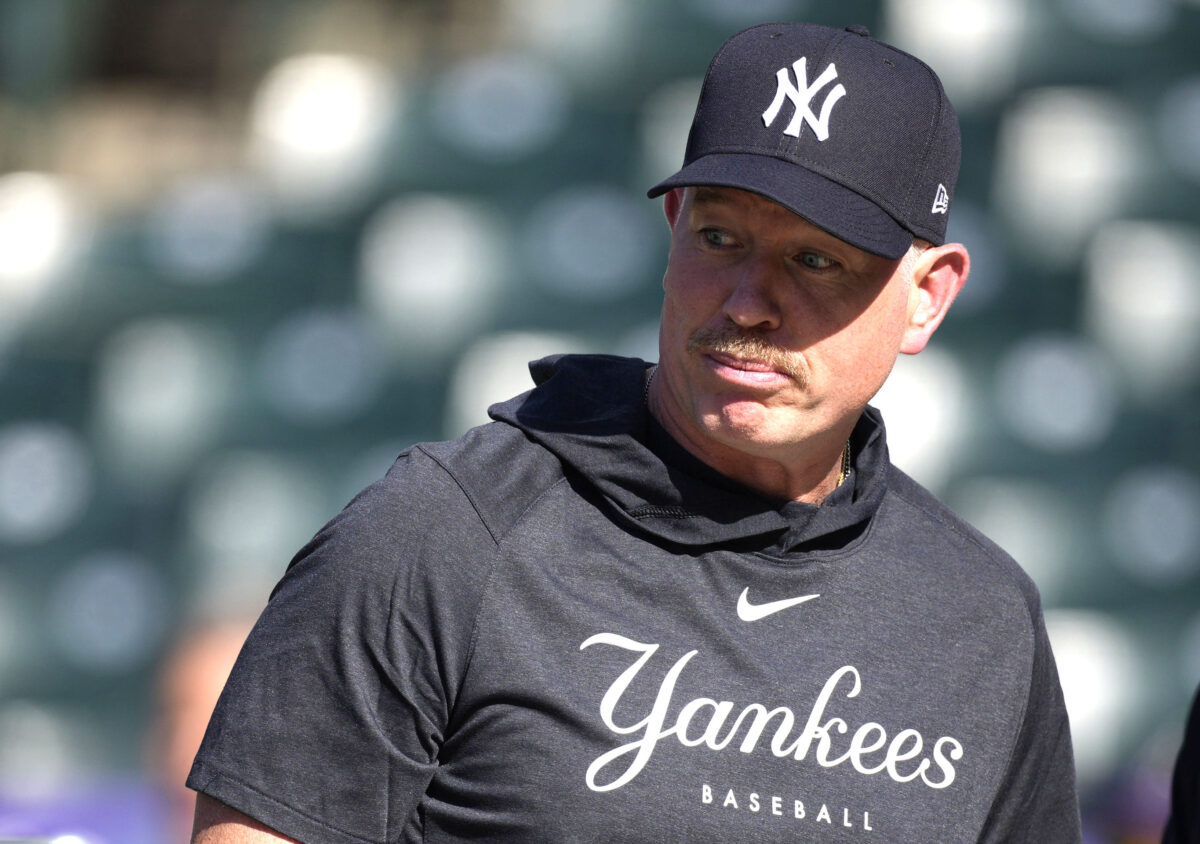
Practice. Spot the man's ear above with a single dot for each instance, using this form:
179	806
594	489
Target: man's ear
672	205
938	275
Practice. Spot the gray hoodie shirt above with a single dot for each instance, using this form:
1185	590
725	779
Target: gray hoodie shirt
563	627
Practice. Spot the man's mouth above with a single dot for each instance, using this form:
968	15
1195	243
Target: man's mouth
759	359
740	363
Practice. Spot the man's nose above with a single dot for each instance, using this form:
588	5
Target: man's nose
752	301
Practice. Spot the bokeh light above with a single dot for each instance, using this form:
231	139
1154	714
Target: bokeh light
588	40
1068	160
500	108
44	228
1142	303
108	612
46	480
1100	667
431	268
247	513
42	749
208	228
927	408
973	45
592	243
665	117
318	125
1152	524
320	367
1057	393
162	388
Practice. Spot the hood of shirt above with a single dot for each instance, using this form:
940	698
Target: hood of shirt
590	412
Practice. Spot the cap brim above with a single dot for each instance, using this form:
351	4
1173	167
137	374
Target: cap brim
826	204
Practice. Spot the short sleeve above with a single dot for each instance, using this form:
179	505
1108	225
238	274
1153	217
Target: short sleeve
329	727
1037	800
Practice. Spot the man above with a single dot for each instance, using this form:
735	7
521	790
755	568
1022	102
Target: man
690	602
1183	825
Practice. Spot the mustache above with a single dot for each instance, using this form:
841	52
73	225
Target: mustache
748	345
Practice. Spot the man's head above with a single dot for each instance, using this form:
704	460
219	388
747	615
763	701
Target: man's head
802	262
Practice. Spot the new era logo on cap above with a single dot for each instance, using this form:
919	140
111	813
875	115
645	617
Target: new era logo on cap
859	147
941	200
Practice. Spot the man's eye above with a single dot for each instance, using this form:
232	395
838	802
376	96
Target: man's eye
815	261
716	237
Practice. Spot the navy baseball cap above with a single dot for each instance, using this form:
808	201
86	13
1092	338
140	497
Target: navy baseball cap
850	133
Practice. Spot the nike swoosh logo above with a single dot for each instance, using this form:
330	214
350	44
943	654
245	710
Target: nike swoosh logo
754	612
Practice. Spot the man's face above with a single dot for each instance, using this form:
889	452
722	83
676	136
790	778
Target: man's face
774	334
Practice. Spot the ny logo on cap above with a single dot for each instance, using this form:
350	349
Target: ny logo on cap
801	94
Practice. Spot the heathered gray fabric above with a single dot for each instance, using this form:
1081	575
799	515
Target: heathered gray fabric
531	634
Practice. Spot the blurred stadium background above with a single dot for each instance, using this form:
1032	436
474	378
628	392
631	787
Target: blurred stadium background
250	249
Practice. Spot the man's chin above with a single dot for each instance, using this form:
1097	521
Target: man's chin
749	426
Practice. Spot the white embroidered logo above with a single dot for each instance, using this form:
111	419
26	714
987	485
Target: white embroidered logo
801	95
754	612
941	202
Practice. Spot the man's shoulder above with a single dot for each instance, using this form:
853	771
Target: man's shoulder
980	558
470	492
497	468
934	509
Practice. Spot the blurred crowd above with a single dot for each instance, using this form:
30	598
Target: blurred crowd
250	249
